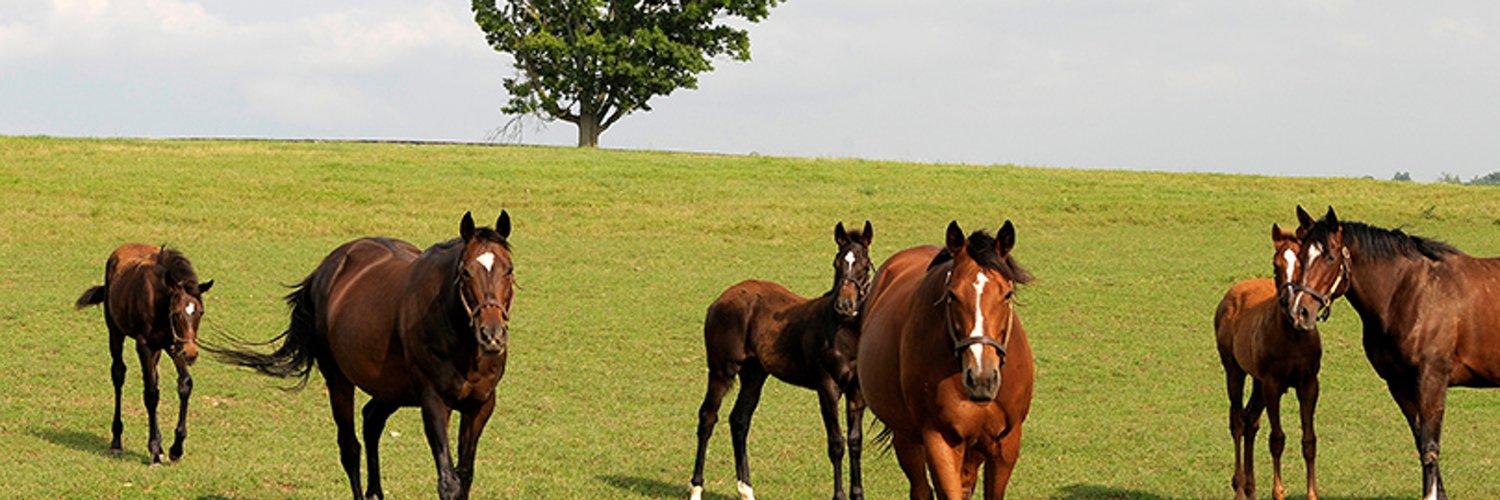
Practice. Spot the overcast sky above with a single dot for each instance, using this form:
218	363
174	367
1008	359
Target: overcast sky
1324	87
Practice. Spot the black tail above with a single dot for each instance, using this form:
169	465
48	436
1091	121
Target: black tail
294	359
94	295
883	439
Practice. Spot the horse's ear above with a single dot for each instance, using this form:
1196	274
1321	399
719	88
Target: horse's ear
1331	217
1304	221
466	228
502	225
955	238
204	286
869	234
839	235
1005	240
1279	234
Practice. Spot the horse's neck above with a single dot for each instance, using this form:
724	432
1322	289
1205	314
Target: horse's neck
1374	281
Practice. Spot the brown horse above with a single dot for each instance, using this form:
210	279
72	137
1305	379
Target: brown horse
945	364
757	328
151	294
1256	338
1429	311
410	328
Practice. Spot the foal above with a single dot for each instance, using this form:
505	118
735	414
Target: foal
1256	337
757	328
151	294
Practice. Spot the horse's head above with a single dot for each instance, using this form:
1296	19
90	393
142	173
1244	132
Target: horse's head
184	302
851	270
1284	264
1323	273
979	301
486	281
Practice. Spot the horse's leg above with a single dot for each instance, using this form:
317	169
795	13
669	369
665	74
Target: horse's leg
341	401
1272	393
435	415
184	391
752	378
855	403
1307	397
1234	381
1404	391
708	415
1433	386
828	403
117	375
470	427
945	463
997	472
152	395
972	460
376	412
913	460
1253	407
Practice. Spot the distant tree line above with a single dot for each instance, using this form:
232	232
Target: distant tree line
1490	179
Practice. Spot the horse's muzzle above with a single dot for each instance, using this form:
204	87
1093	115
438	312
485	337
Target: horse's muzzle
981	385
492	339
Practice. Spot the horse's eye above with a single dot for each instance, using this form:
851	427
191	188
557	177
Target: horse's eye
1011	294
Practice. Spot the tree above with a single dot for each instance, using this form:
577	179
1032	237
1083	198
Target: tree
1402	176
1490	179
591	62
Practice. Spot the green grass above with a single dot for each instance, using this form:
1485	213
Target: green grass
620	252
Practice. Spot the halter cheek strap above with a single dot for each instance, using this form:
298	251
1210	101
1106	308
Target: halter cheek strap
961	343
1325	302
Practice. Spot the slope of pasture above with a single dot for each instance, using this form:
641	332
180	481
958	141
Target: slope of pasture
619	253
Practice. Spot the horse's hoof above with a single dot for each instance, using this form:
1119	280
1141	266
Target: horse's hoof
176	454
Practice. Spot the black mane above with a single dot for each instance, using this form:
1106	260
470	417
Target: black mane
483	233
177	267
981	248
1382	243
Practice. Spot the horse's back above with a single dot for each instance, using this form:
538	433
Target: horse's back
129	296
360	286
885	316
745	314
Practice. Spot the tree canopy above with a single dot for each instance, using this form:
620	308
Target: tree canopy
592	62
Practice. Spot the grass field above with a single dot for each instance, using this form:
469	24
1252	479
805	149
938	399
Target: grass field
620	252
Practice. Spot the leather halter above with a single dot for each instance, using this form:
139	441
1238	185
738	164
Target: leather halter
474	312
961	343
1325	302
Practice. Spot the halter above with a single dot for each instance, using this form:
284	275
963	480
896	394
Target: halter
1325	302
961	343
474	312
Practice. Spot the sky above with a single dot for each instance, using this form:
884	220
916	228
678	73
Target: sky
1275	87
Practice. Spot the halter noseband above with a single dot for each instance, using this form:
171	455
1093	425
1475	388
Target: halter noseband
474	312
961	343
1325	302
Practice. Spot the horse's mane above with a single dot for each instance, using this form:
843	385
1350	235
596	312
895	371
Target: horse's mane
479	232
176	266
981	248
1383	243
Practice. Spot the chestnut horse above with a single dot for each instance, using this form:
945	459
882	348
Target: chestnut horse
409	328
944	362
151	294
1256	338
1429	311
757	328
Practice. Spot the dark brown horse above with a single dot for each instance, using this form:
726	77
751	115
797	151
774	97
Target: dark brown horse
944	362
757	328
151	294
1431	316
1256	337
410	328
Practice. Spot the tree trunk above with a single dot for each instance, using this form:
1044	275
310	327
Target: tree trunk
588	130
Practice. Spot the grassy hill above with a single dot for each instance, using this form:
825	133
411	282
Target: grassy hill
620	252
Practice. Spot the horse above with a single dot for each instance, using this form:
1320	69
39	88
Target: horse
1428	310
945	364
151	294
426	328
757	328
1255	337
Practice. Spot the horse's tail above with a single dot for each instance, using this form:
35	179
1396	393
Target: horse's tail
883	439
295	357
94	295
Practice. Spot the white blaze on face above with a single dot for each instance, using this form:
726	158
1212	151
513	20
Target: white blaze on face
978	349
746	493
487	260
849	259
1314	251
1291	263
190	308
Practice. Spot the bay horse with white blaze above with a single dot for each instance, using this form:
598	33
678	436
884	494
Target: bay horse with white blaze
756	328
945	363
151	294
409	328
1255	337
1431	316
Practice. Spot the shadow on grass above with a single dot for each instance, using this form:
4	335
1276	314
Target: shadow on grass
88	443
1095	491
651	488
